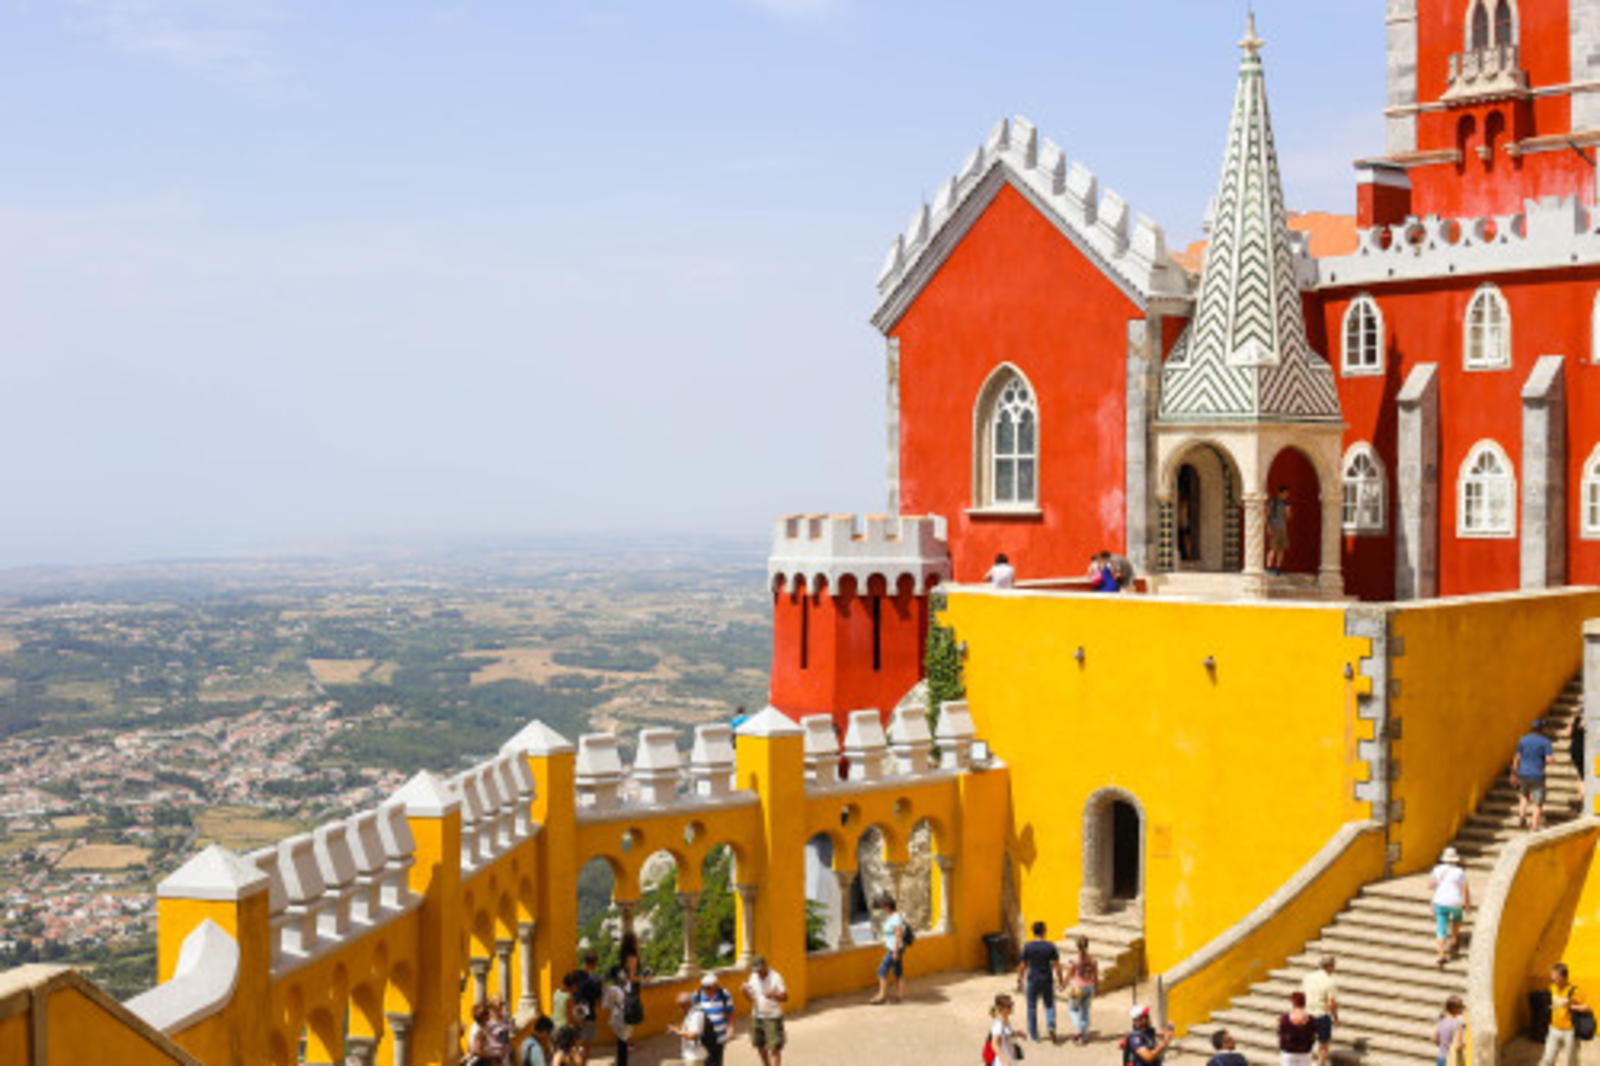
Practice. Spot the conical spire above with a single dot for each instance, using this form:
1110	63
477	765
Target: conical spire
1246	354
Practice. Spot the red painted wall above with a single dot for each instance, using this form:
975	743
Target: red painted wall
1015	290
1423	322
1293	469
835	631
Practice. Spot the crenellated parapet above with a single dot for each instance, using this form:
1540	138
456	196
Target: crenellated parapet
823	549
1129	247
1547	234
660	778
872	755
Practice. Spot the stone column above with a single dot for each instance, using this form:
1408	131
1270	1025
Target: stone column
1330	572
502	952
480	979
1544	476
626	909
1416	484
688	902
363	1049
845	879
1591	712
747	925
1255	538
1139	407
528	1005
400	1036
946	865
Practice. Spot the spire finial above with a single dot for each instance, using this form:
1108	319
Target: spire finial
1251	43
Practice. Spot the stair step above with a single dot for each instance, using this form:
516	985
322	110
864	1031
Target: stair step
1398	1040
1408	922
1354	1008
1419	953
1361	993
1446	981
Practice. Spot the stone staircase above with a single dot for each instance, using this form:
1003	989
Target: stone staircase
1391	988
1116	940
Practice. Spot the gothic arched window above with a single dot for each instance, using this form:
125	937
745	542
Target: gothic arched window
1363	337
1504	24
1488	331
1589	497
1365	495
1479	35
1486	493
1008	442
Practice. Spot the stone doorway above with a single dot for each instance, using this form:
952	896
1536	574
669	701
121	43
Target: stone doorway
1113	856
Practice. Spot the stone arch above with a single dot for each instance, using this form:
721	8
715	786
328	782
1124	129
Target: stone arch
1293	468
1108	883
824	897
1202	525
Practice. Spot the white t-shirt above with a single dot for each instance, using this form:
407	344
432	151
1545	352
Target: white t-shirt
693	1050
761	992
890	927
1002	575
615	1000
1004	1038
1450	883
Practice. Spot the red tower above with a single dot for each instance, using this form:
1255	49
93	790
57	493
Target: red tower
850	610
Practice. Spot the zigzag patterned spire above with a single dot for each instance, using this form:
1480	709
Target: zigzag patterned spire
1245	354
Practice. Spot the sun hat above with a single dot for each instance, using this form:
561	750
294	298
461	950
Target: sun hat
1450	855
708	981
1139	1010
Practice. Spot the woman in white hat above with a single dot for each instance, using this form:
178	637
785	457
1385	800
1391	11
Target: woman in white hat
1451	898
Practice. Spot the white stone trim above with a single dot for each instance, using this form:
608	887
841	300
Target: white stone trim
1364	449
1589	497
983	456
214	874
1489	297
815	548
1363	302
1505	532
201	984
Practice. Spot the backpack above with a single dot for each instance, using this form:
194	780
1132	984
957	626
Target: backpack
908	935
1582	1021
633	1007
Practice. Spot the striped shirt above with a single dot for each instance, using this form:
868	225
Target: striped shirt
718	1011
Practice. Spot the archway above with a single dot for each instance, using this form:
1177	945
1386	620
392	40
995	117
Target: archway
1206	524
1292	469
1113	854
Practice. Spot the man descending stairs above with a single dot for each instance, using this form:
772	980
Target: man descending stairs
1391	989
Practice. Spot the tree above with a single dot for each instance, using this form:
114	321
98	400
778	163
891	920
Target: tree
942	662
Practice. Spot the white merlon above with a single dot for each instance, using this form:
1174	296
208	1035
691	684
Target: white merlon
865	746
955	733
657	766
202	982
425	796
711	760
822	749
400	853
266	860
816	547
768	722
366	852
1069	195
910	743
331	847
302	884
599	771
214	874
537	739
1553	233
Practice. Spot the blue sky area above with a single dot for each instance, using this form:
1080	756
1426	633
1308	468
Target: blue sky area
277	273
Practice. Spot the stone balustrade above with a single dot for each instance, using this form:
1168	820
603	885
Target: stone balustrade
711	761
866	748
821	748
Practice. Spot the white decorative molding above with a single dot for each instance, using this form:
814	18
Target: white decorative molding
657	766
599	771
538	739
822	749
202	981
768	722
1128	247
817	547
865	746
910	743
425	796
711	760
1502	531
214	874
955	734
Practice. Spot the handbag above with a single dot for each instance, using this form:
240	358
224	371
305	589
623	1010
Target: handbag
1583	1024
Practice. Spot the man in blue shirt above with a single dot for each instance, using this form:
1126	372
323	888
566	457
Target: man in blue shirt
1527	770
717	1007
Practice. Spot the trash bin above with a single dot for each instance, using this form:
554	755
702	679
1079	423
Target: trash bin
998	946
1538	1015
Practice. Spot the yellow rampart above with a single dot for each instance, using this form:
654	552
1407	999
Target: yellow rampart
52	1016
375	936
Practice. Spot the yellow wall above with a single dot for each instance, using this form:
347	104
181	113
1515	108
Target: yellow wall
1471	675
1208	754
14	1039
53	1016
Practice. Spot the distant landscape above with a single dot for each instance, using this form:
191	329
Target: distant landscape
148	710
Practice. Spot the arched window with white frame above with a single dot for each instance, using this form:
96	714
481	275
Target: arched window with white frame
1486	493
1007	425
1505	24
1478	26
1366	496
1488	331
1589	497
1363	337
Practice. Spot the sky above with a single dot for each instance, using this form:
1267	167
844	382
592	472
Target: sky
277	273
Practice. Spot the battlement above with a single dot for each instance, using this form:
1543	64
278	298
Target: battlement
1552	233
816	548
1129	246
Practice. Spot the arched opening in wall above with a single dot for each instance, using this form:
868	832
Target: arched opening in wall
1113	855
1466	130
1300	526
1207	524
1494	128
659	922
1478	29
921	884
824	901
873	882
716	933
599	923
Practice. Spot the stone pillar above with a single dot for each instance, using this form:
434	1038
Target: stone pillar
946	865
1401	121
528	1004
1591	712
626	909
747	925
1330	573
689	902
480	979
1544	476
1416	483
1255	538
363	1049
400	1037
502	953
1143	387
846	879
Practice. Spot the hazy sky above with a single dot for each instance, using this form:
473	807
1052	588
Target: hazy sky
288	271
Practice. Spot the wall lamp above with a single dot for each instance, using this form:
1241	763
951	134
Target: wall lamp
1210	663
1078	655
1349	672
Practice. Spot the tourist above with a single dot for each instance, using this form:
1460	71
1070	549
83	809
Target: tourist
1451	898
1277	530
1001	1044
478	1049
1527	773
1121	569
1297	1033
1038	976
568	1047
1083	980
564	1006
894	953
541	1045
1227	1053
690	1030
1322	1001
1002	575
590	990
1560	1042
1143	1044
1101	576
1449	1033
615	1002
767	993
1577	732
717	1007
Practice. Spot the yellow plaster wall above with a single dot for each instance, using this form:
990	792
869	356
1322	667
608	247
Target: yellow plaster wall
83	1031
14	1038
1470	675
1206	753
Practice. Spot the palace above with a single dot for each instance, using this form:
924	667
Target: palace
1220	774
